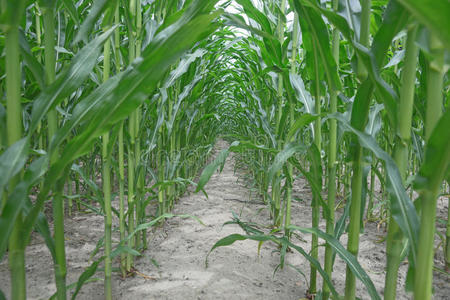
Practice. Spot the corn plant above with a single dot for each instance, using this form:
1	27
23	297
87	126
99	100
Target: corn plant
364	50
104	98
71	135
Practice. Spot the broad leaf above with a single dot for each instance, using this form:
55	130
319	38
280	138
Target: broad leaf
281	158
69	80
434	14
12	162
349	258
402	208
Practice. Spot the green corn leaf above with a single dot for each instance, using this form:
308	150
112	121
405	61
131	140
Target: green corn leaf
312	24
317	265
435	168
272	46
432	13
72	10
361	105
402	208
11	211
394	20
387	94
12	161
168	46
238	21
281	158
159	123
90	183
43	228
11	13
31	62
374	123
252	12
183	66
211	168
124	249
349	258
156	221
98	7
232	238
3	129
36	170
351	11
227	241
85	276
84	111
302	121
236	146
47	4
69	80
142	76
341	20
166	183
312	178
302	94
17	199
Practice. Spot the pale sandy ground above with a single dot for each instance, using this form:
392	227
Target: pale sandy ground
234	272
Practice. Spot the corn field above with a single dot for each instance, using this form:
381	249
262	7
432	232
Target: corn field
114	109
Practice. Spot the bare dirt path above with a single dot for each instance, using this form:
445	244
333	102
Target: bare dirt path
234	272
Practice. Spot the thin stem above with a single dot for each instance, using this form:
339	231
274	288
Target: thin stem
434	87
315	200
52	119
106	159
295	40
58	222
276	183
357	179
447	236
122	198
50	63
355	216
139	213
121	155
364	36
131	148
395	242
331	164
428	198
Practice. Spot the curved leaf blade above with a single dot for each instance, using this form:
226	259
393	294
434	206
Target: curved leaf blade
69	80
349	258
402	208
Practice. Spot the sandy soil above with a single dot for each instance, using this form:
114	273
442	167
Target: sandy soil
180	248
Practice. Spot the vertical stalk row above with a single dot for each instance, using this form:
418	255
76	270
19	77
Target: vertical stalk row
106	160
276	183
295	40
428	198
332	148
120	142
315	201
357	167
131	147
52	120
14	132
395	241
